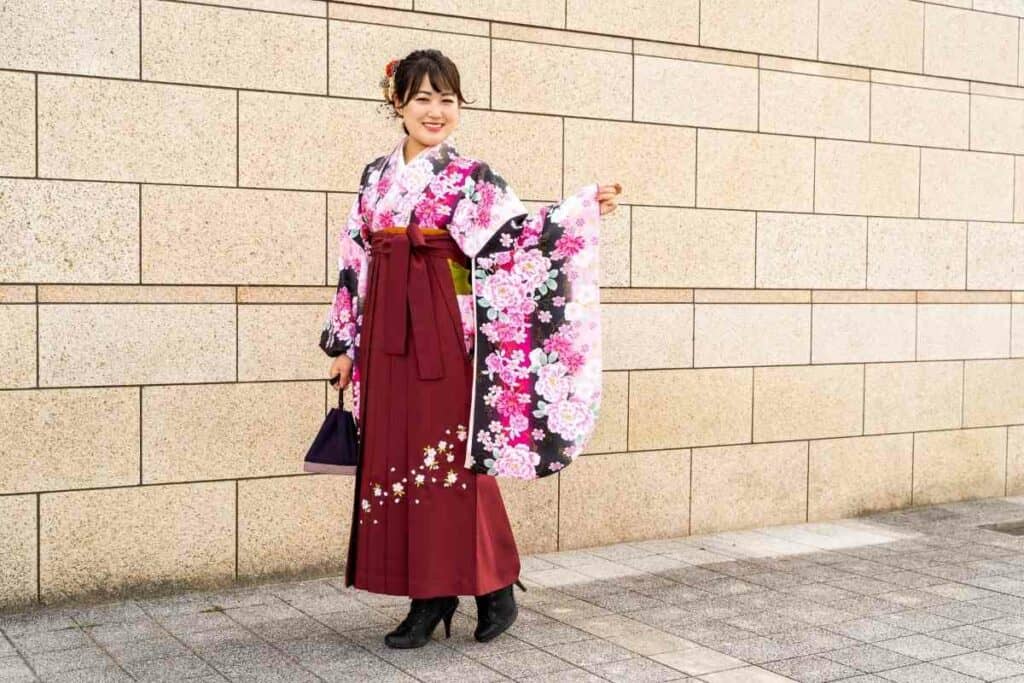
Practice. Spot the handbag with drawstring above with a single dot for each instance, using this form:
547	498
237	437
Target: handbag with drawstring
335	450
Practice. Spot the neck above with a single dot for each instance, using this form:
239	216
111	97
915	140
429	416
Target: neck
411	149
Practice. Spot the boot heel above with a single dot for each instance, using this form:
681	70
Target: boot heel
520	584
448	624
424	616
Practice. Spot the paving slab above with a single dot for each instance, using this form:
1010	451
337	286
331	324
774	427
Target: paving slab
923	594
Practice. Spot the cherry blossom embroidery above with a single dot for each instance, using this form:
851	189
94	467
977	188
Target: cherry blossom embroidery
435	456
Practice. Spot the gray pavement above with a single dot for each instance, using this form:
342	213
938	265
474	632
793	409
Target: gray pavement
917	595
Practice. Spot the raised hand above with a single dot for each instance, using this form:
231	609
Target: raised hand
606	197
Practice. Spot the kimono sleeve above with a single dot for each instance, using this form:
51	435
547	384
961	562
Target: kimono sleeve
537	367
340	331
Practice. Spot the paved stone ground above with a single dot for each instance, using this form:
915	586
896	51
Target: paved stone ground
916	595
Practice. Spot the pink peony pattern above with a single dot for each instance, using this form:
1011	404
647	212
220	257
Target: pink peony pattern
532	322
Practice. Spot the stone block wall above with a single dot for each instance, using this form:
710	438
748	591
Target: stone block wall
813	290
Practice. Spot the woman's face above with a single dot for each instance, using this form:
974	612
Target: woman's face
430	116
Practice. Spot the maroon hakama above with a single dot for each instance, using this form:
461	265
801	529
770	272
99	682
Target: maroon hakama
423	525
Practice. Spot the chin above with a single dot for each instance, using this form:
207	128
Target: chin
429	139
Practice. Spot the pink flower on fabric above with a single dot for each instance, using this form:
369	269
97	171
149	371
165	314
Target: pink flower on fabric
518	424
431	213
458	227
341	312
488	194
570	419
532	267
558	343
517	461
524	307
510	367
503	290
552	383
504	331
508	402
573	361
568	245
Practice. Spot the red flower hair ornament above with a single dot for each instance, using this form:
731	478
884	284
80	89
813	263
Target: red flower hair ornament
387	82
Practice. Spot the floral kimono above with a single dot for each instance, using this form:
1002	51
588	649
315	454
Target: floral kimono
474	330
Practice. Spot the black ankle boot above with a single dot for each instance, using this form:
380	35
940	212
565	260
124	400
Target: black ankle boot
424	615
496	611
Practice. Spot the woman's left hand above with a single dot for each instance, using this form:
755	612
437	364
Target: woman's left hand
606	197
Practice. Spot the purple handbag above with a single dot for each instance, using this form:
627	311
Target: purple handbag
335	450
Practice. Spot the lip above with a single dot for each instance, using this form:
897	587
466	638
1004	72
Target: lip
433	126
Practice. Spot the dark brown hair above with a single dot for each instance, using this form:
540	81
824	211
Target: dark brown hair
409	73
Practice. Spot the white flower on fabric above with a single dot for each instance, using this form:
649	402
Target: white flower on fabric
366	505
503	290
420	478
416	175
517	462
552	383
398	489
532	267
571	419
450	478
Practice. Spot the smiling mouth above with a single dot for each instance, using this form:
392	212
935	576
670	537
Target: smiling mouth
433	126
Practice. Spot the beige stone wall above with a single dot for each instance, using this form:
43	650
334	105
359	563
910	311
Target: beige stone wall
814	291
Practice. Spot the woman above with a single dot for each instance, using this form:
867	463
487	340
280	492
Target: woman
441	402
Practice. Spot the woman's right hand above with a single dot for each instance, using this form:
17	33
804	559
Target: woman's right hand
341	367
